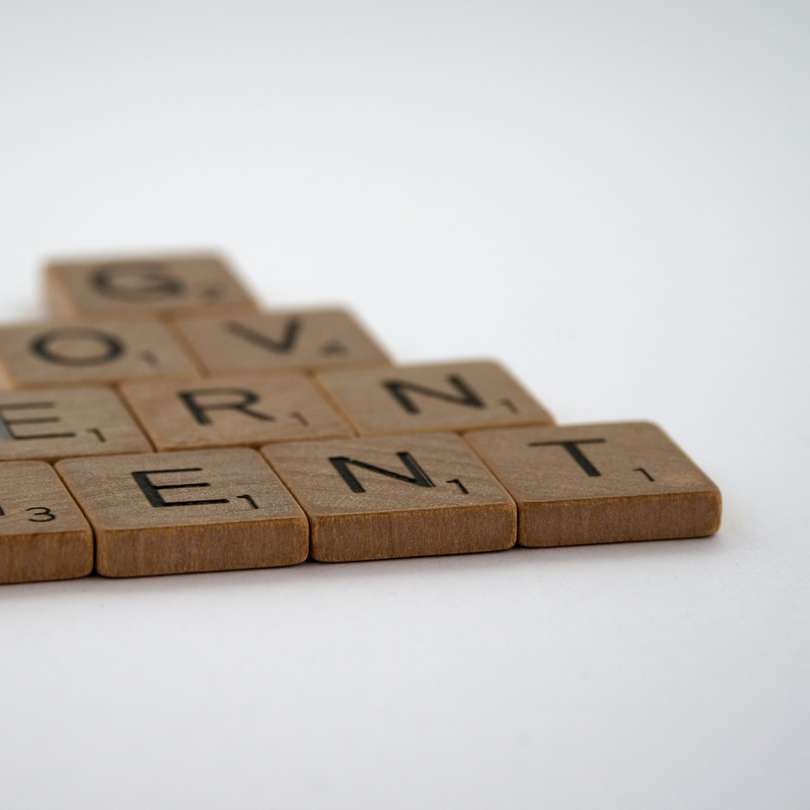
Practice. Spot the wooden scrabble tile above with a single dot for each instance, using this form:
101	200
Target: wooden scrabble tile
395	496
301	340
43	534
54	423
72	353
431	397
142	286
602	483
195	510
240	409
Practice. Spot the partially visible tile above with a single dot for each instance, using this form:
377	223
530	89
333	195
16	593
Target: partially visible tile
395	496
195	510
79	353
43	534
294	340
432	397
600	483
54	423
241	409
143	286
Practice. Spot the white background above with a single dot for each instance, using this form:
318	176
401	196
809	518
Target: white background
612	198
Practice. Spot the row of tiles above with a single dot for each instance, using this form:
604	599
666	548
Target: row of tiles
108	351
340	500
254	409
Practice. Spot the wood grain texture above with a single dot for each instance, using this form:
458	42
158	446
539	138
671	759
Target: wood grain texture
54	423
197	510
143	286
432	397
43	534
240	409
292	340
400	496
600	483
36	355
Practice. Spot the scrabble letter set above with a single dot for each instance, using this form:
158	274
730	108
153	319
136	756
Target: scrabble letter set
160	422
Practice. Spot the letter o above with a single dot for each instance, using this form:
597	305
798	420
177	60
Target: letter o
43	346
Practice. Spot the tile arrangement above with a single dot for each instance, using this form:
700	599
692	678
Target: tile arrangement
162	423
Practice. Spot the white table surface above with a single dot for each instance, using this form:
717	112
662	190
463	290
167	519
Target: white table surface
612	200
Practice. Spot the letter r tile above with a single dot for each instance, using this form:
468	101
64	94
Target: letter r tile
196	510
238	409
600	483
395	496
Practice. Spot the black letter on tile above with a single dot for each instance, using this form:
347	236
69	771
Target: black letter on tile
6	431
200	411
152	491
111	347
284	346
135	282
572	446
420	477
466	395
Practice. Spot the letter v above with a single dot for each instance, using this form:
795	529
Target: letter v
289	338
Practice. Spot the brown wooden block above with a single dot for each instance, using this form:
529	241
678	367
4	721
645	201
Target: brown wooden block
54	423
241	409
395	496
432	397
602	483
72	353
196	510
300	340
140	286
43	534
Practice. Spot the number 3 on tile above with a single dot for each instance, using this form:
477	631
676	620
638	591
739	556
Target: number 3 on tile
40	514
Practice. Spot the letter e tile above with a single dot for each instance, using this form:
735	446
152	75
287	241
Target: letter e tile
196	510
